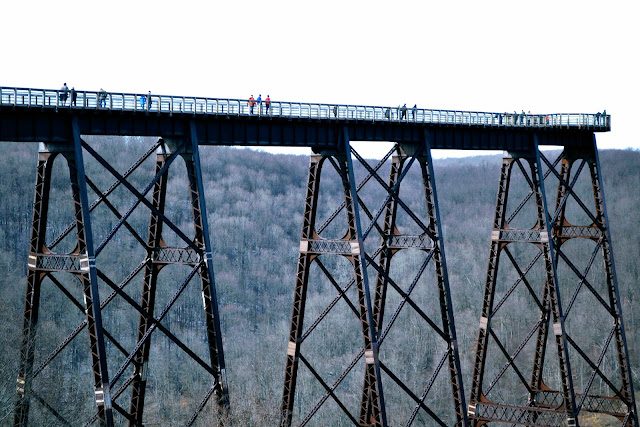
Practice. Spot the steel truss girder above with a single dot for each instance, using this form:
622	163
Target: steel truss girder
312	246
546	406
81	263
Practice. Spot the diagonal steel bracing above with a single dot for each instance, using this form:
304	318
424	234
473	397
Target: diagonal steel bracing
84	270
81	264
372	410
601	290
430	242
352	248
559	287
564	403
481	408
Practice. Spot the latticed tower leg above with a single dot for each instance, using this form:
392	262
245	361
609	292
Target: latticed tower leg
89	279
446	306
481	409
151	270
34	281
300	293
489	291
352	248
631	416
551	293
209	295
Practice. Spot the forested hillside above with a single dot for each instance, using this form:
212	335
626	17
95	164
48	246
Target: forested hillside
255	204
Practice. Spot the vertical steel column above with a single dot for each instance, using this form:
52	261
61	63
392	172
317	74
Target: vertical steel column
499	221
34	281
151	270
551	291
446	306
209	295
612	286
300	293
481	409
373	379
89	278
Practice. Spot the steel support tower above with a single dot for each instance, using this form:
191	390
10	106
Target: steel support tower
541	265
557	273
86	265
356	246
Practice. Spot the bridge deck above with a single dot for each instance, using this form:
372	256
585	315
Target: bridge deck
41	115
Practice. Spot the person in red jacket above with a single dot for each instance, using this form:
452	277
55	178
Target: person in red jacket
267	103
251	104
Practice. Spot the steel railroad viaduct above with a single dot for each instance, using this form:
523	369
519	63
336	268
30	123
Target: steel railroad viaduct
59	119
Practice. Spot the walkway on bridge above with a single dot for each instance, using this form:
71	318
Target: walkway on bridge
152	103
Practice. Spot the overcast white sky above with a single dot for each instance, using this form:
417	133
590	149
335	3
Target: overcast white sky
543	56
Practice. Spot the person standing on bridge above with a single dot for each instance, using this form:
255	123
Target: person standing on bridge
267	103
259	103
64	90
251	103
403	110
102	96
74	96
414	110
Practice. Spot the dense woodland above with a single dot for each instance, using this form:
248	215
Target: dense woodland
255	204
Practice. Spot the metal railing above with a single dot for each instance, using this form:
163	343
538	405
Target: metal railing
100	100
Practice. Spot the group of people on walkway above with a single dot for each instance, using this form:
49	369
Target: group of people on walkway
146	100
253	101
402	112
71	94
66	93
